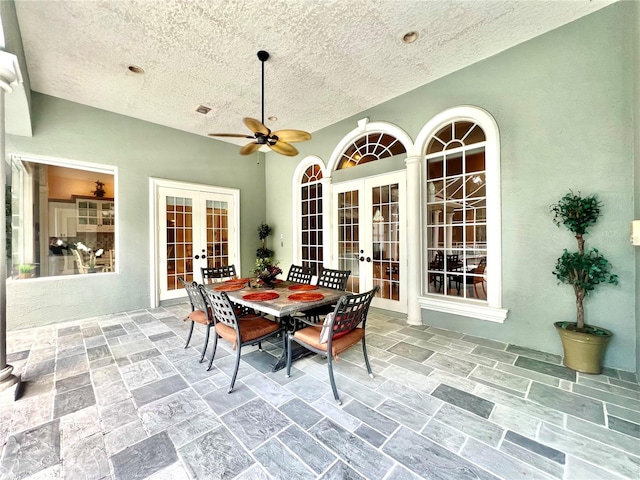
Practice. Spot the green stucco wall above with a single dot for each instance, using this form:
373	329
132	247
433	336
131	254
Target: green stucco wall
139	150
636	122
564	105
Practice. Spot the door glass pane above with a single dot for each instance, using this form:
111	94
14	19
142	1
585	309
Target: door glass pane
386	241
348	246
217	233
179	236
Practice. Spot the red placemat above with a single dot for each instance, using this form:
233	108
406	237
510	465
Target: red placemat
303	287
238	280
229	288
260	296
305	297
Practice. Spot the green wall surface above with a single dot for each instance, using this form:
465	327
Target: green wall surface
636	118
139	150
564	105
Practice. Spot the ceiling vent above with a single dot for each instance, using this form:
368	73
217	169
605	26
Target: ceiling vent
203	109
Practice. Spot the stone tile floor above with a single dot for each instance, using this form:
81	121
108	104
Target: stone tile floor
118	397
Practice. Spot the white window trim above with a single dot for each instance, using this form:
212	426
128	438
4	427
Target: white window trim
491	310
296	224
78	165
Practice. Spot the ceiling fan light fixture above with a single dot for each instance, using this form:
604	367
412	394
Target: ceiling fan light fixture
410	37
278	141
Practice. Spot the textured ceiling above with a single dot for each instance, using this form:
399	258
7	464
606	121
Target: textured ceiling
330	59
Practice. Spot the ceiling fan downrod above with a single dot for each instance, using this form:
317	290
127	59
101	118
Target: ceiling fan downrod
263	56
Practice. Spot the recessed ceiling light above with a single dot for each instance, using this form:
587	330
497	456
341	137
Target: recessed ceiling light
272	118
203	109
410	37
135	69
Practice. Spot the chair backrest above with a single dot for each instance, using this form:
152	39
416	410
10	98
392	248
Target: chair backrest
479	270
223	310
197	299
299	274
336	279
218	274
82	268
351	311
438	261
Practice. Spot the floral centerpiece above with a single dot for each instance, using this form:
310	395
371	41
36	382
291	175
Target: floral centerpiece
91	264
266	271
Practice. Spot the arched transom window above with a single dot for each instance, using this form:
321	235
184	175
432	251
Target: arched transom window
369	148
311	218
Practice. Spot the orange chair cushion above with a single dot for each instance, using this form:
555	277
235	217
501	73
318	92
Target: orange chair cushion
199	316
311	336
251	327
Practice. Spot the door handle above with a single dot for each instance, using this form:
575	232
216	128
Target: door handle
204	256
362	259
197	257
368	259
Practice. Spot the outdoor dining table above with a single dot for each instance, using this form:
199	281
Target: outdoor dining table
291	298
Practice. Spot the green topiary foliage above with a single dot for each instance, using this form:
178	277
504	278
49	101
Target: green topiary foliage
264	231
582	270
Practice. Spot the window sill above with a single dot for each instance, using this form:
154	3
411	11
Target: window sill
467	308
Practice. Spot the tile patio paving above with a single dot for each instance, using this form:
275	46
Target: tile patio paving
118	397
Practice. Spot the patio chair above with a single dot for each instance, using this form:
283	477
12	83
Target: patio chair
341	330
246	330
335	279
200	312
299	274
217	274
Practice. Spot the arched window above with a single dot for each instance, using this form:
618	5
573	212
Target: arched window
457	211
370	147
312	252
461	208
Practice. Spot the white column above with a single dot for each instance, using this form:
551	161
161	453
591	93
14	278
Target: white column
436	231
449	227
10	76
327	222
414	254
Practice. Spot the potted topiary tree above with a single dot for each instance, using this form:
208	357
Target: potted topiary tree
583	345
264	231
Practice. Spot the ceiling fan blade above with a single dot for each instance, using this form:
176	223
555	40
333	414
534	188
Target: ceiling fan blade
255	126
250	148
292	135
284	148
235	135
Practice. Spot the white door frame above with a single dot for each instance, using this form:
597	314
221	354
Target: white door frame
365	235
154	226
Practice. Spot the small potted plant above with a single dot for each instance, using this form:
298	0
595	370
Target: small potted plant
24	270
266	271
583	344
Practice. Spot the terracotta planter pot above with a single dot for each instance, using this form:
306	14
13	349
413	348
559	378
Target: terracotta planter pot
583	352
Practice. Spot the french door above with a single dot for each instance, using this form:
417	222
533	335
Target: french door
371	237
196	228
